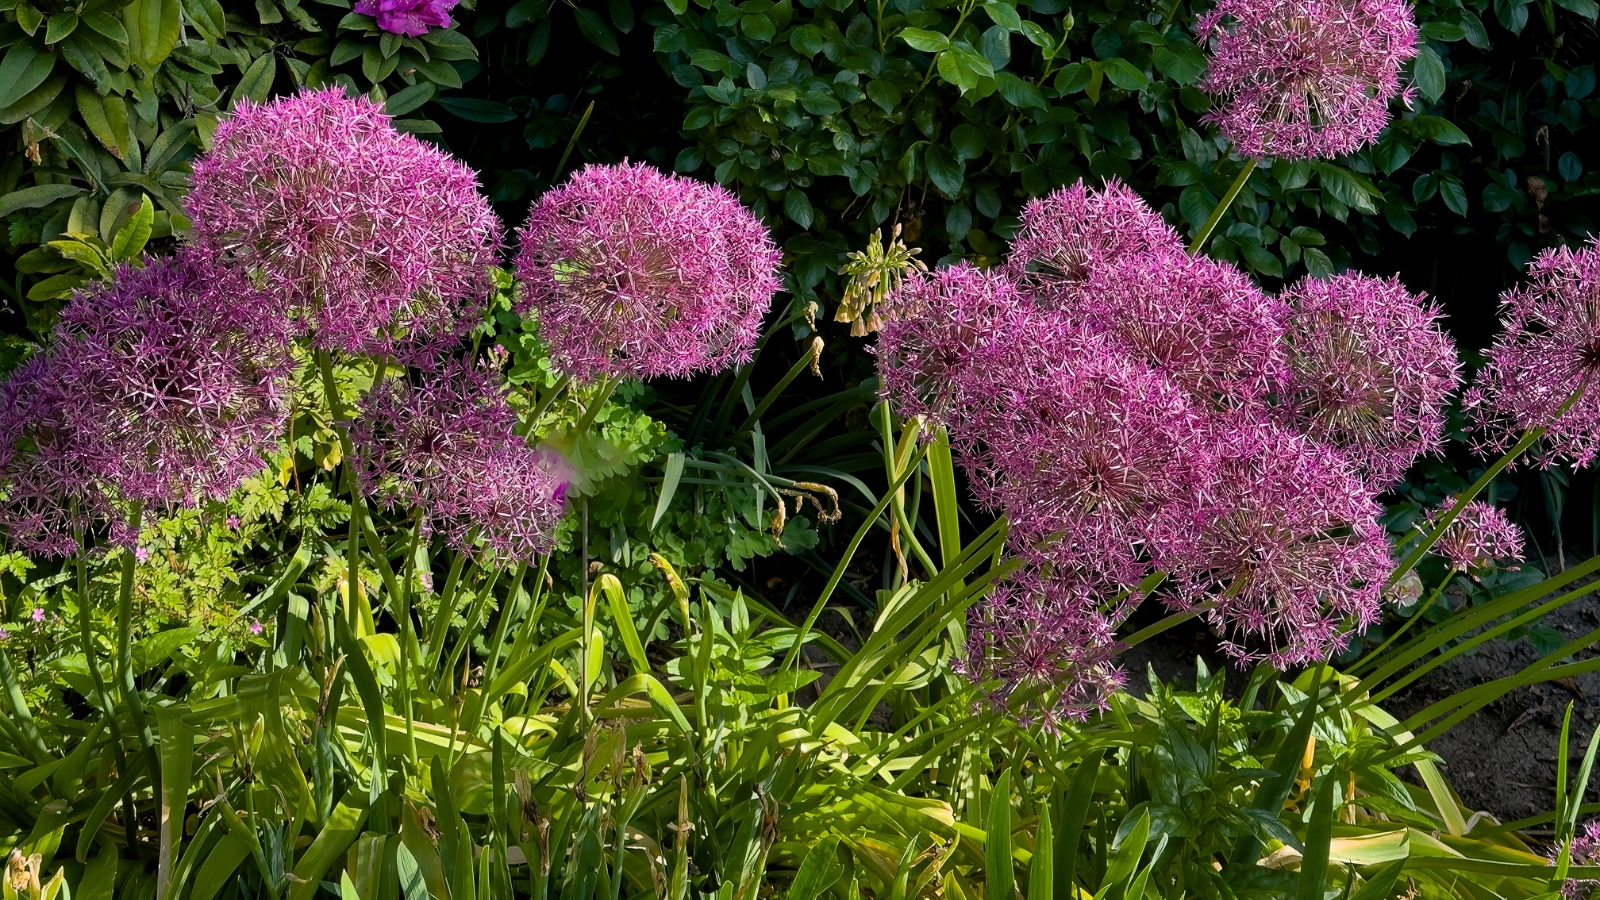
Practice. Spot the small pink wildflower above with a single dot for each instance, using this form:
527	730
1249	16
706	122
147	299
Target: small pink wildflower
38	614
4	635
142	555
255	626
233	522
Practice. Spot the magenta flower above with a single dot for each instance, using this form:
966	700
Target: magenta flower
1372	371
945	333
1086	455
377	241
635	273
1286	549
1479	536
38	614
255	626
1303	79
411	18
233	522
1077	231
142	555
163	388
1585	851
1548	350
448	447
4	635
1046	642
1202	323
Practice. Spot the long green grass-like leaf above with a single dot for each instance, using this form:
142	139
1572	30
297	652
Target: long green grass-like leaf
1274	789
1073	814
102	807
1041	869
177	763
1381	885
336	836
1124	862
1581	786
997	869
622	619
1319	838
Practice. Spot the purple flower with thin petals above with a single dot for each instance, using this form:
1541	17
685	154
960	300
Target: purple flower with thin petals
636	273
379	242
4	635
1286	554
412	18
1086	455
1077	231
1372	371
1548	351
162	388
38	614
449	447
1585	851
944	332
1304	79
1480	536
233	522
1201	322
1045	640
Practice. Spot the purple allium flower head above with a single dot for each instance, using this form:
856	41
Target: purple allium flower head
1548	348
38	614
1201	322
636	273
380	242
1077	231
1479	536
1288	548
412	18
1372	371
1085	456
1304	79
1047	639
163	387
945	332
448	446
4	635
1585	852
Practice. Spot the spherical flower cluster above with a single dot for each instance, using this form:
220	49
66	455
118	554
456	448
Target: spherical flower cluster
1543	367
1045	641
380	243
1584	851
636	273
1077	231
1304	79
1372	371
412	18
449	448
1480	536
1288	554
164	387
1133	411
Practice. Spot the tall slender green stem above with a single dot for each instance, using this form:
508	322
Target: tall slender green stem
341	418
130	690
1222	207
597	401
406	637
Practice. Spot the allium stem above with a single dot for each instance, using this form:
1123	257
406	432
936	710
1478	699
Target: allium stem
447	611
771	397
1529	438
341	425
130	689
607	386
1222	206
544	403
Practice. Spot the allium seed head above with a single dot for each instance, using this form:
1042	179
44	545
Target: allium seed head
636	273
1548	348
1372	371
448	446
1077	231
1288	548
1303	79
379	242
1480	536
